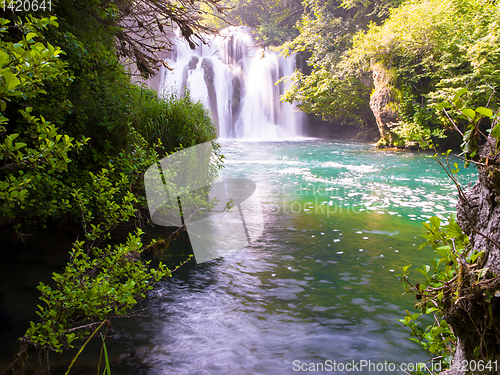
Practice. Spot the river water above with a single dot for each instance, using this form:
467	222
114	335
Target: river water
319	285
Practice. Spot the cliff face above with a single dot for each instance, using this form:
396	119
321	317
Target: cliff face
380	103
475	320
478	211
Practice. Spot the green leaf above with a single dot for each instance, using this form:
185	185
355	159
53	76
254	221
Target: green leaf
459	94
434	347
495	133
484	111
467	135
30	36
454	230
443	105
475	256
470	113
435	222
422	272
11	80
4	58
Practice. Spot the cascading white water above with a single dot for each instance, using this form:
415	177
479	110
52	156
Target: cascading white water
236	79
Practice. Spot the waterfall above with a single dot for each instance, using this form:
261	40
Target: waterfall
236	79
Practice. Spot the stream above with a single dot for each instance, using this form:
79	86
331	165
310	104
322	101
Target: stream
319	285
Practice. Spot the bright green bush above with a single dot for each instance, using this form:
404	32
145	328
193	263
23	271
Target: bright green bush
38	150
435	48
47	175
432	49
331	86
85	92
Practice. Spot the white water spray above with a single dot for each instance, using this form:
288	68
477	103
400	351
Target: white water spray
236	79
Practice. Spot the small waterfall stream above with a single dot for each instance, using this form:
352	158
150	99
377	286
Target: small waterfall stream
236	79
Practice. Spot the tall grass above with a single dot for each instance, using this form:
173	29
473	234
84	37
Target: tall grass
175	121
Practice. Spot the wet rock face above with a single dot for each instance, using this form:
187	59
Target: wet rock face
185	72
478	214
193	62
208	75
385	116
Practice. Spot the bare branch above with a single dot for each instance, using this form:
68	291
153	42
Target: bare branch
148	28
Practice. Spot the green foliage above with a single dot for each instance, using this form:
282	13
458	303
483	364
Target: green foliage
59	82
458	287
26	63
89	97
173	121
47	154
472	132
99	280
413	134
272	33
92	287
47	175
436	339
450	244
334	89
320	92
40	150
450	280
434	49
272	21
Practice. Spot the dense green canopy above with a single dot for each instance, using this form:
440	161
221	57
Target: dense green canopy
272	21
331	89
428	48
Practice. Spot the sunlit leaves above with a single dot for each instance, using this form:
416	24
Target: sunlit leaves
435	50
486	112
99	280
24	66
92	286
473	118
335	89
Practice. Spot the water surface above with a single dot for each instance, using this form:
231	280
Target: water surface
341	219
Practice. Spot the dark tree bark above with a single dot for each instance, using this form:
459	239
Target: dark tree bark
476	319
146	28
